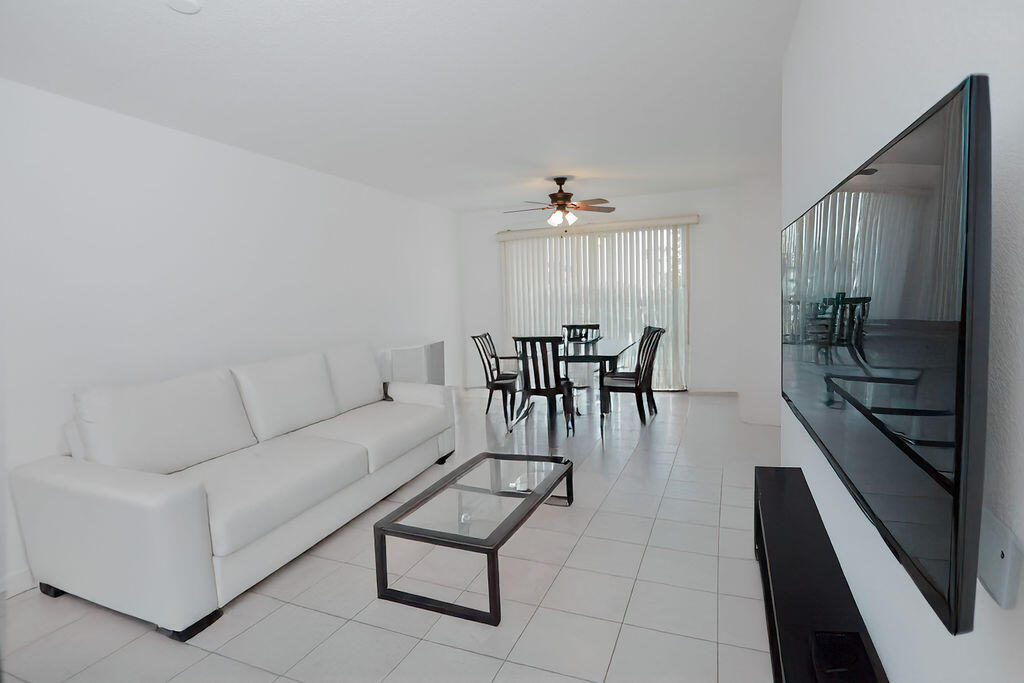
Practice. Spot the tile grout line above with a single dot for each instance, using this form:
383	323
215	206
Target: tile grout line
118	649
582	535
561	567
37	639
632	588
423	638
625	468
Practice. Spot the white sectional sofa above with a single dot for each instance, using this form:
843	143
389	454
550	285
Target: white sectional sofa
180	495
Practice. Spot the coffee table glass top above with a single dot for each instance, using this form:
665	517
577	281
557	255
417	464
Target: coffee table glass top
476	502
475	507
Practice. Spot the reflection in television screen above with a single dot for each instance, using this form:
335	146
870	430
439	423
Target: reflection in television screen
872	282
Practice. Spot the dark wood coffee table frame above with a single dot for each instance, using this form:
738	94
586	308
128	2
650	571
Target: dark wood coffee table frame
390	526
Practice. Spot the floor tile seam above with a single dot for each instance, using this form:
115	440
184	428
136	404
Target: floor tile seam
109	654
237	661
629	514
562	566
674	633
695	500
697	552
548	590
713	526
318	644
744	647
422	639
8	655
699	590
632	588
534	609
251	626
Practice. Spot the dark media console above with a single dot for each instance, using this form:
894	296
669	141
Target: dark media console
815	630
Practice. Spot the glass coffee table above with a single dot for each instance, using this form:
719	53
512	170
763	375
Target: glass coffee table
476	508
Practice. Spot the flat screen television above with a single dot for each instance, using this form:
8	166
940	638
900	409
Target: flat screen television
885	300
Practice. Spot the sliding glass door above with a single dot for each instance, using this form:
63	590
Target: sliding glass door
622	279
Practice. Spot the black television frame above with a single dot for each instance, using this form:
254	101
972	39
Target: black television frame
956	610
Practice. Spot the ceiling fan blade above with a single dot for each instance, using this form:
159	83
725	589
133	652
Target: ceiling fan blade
541	203
539	208
602	209
591	201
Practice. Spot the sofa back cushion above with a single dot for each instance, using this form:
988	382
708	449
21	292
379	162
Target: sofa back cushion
285	394
354	376
164	426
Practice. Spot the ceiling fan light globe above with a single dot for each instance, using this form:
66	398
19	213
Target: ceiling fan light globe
555	219
570	217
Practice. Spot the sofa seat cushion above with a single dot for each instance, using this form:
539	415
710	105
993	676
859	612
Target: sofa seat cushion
387	429
253	491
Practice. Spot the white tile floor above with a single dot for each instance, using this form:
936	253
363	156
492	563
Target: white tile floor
648	577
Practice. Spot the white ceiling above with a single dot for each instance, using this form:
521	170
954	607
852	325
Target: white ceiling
466	104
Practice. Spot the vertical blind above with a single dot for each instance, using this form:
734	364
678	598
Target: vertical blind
879	244
623	280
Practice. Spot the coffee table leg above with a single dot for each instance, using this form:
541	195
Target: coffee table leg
493	590
492	616
381	561
566	500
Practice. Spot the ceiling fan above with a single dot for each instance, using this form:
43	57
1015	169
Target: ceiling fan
562	206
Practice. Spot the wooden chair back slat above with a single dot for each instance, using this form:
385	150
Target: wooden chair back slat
540	361
488	357
646	353
581	332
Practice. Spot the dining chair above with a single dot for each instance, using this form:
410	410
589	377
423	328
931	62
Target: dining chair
849	320
639	380
494	377
542	369
580	337
581	332
818	326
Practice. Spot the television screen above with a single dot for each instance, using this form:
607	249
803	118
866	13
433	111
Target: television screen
885	286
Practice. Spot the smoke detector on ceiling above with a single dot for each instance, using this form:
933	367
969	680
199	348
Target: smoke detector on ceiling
185	6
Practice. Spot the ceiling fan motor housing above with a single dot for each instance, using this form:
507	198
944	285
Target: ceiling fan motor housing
561	198
561	201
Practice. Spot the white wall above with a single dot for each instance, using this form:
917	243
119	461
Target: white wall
134	252
855	75
758	266
727	298
911	641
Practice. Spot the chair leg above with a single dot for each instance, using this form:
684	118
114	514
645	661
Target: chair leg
490	395
525	407
650	402
640	407
504	407
569	411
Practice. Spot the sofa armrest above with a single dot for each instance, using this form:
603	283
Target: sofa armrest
424	394
135	542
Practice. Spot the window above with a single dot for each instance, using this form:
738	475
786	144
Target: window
622	279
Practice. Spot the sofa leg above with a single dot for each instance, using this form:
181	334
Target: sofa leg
441	461
191	631
49	591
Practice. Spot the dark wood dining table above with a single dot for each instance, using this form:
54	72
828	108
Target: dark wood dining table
588	352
